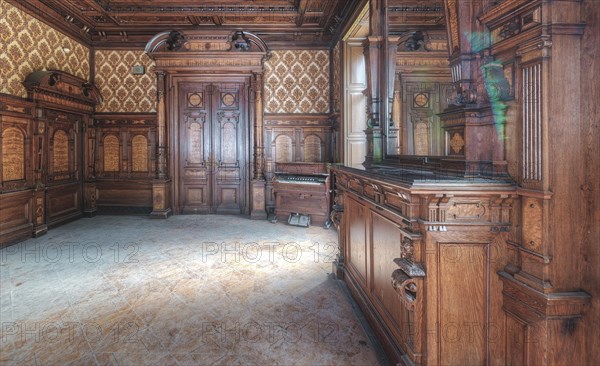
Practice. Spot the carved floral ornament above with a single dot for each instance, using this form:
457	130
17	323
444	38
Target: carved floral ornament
408	249
457	142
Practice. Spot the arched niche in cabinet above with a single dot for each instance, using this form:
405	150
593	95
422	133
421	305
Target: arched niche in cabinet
62	146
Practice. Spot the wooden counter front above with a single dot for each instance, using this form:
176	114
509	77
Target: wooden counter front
420	256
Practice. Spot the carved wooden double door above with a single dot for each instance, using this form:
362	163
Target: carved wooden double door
212	146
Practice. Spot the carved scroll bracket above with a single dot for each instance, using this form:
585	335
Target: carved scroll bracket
407	281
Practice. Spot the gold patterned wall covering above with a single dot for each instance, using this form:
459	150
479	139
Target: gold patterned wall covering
13	154
337	76
297	81
29	45
122	91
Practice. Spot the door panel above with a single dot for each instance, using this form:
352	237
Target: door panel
212	147
195	148
228	151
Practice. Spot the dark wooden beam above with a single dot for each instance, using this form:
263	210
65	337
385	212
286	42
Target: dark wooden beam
301	11
217	20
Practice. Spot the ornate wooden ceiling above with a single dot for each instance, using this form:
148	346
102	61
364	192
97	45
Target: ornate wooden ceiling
127	23
281	23
410	15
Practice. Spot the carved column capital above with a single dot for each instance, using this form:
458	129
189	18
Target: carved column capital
160	84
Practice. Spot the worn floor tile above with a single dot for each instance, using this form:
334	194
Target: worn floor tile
190	290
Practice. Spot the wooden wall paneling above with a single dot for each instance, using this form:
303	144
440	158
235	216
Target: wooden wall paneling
63	107
63	203
286	141
126	187
89	166
18	170
431	288
548	244
64	195
589	165
386	243
124	194
17	150
356	235
16	211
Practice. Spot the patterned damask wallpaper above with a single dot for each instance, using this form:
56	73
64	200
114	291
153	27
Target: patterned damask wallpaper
337	77
297	81
122	91
29	45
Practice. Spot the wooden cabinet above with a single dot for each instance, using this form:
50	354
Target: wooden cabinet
46	155
420	257
125	161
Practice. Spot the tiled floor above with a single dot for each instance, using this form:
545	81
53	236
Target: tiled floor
190	290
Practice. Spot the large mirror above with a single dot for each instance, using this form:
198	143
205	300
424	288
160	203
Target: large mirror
419	78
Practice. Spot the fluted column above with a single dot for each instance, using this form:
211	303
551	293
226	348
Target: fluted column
259	150
373	51
399	126
161	186
89	165
393	136
161	145
258	182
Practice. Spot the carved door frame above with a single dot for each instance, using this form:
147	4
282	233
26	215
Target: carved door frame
175	126
198	53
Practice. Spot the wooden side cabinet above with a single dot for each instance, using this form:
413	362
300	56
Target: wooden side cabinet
421	259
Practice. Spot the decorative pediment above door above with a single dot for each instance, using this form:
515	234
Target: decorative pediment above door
191	66
220	51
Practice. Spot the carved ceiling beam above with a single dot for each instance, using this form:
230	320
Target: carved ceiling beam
203	11
99	7
217	20
301	12
101	23
67	14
